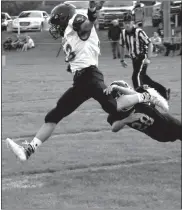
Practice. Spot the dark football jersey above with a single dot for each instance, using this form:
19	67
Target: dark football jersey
161	127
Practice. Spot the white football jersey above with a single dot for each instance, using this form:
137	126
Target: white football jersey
80	54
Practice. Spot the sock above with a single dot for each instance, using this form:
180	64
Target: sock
35	143
140	97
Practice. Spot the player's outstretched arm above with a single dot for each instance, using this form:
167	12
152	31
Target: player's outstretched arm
120	89
92	15
118	125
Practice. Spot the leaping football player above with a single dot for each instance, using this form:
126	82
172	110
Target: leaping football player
82	48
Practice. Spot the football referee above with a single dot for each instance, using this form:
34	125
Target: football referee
140	50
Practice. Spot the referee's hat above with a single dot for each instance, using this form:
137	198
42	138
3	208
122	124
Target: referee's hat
127	17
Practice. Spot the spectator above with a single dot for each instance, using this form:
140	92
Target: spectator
138	14
173	44
179	42
157	43
177	39
28	44
7	44
180	50
167	42
160	30
18	42
114	36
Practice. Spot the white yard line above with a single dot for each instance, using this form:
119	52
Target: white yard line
24	182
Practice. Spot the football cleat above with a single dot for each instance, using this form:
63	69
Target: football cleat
21	152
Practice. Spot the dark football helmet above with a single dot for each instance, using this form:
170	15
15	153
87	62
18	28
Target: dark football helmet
60	16
121	83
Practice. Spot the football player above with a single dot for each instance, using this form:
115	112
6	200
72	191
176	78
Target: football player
82	48
143	117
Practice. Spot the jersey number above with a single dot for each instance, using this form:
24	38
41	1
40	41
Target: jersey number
144	122
70	55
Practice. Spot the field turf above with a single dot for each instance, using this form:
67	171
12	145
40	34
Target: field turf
83	165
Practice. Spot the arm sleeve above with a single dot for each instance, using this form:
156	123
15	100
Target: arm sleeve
144	37
79	19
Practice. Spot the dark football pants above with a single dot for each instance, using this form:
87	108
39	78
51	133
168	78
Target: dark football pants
88	83
115	49
140	77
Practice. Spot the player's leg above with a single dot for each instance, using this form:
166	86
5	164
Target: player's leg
160	88
165	127
173	128
140	77
110	105
70	100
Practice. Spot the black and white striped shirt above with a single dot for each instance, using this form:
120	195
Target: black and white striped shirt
135	41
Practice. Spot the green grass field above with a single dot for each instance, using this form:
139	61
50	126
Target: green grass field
83	165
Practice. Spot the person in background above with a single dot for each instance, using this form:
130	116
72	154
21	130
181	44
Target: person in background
172	44
18	42
29	44
140	48
160	30
138	14
157	43
14	43
167	42
7	44
114	33
180	50
177	41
